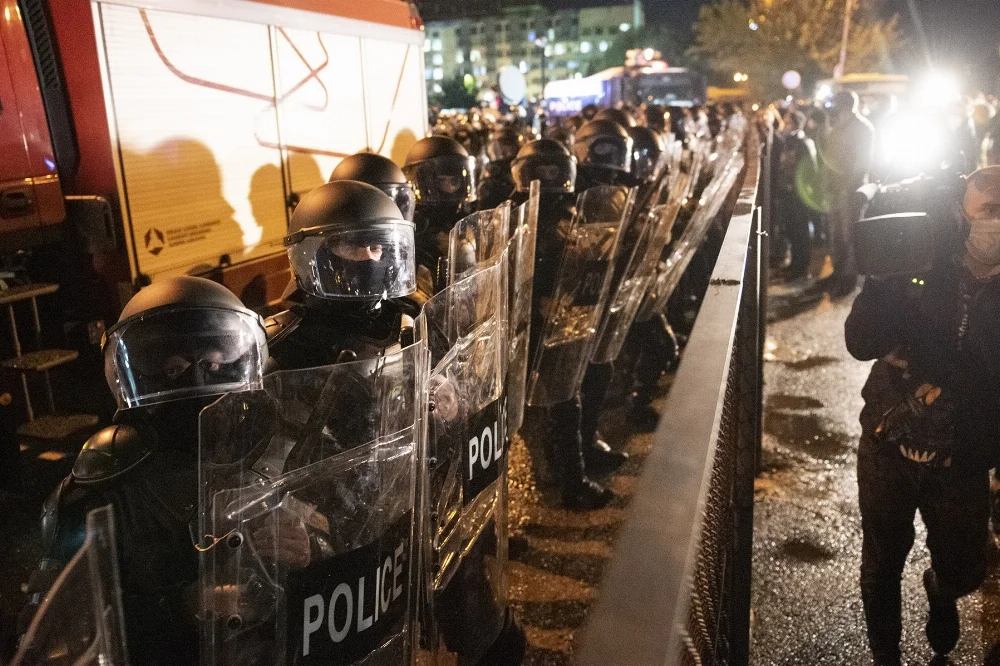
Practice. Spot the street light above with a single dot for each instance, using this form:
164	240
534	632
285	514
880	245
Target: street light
542	42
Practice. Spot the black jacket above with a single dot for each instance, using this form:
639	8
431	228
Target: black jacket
942	329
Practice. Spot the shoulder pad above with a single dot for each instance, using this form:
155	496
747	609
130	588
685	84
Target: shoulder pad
279	326
110	453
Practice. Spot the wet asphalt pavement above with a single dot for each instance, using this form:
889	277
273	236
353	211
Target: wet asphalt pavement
807	542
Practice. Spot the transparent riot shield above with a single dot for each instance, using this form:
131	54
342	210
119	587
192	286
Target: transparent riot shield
308	515
475	244
574	312
673	266
655	230
465	495
80	621
520	282
477	240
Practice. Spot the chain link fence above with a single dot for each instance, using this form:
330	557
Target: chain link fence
677	590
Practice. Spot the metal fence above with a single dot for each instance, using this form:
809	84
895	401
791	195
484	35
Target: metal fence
677	590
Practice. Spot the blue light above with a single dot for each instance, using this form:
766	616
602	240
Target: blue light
50	164
753	25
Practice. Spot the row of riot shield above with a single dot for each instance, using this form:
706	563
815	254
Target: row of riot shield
725	165
574	312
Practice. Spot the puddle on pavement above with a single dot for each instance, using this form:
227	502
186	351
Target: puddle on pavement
806	433
793	402
810	362
806	550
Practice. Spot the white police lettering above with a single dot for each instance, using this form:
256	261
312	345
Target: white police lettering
397	587
485	449
386	589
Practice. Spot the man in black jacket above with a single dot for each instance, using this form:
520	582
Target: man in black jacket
929	424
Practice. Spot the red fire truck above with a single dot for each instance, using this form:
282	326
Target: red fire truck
157	137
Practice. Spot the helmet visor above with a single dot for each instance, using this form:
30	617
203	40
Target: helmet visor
364	264
609	151
184	353
644	164
555	175
445	179
403	195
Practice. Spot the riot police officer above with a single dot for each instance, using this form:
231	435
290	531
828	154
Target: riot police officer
550	162
498	184
647	147
352	258
603	150
380	171
444	182
178	345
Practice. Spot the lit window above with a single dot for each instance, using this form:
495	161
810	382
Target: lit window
438	59
624	27
552	33
459	58
474	55
603	46
428	74
438	74
436	45
438	89
427	46
548	50
585	47
560	49
523	67
572	64
578	75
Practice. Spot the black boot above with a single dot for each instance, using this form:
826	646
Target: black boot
578	492
509	647
600	459
942	622
642	416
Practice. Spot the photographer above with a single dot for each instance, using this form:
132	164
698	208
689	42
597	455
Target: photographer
929	432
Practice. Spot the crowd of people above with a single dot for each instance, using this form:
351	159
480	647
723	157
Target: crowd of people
330	482
823	154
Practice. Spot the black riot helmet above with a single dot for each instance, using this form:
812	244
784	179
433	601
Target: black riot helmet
348	241
546	160
505	144
619	116
381	172
657	118
646	151
183	337
441	171
604	143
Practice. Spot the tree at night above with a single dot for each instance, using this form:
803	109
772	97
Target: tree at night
766	38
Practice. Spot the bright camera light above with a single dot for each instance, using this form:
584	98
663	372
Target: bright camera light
937	89
914	141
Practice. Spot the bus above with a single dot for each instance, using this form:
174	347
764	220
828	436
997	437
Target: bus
651	83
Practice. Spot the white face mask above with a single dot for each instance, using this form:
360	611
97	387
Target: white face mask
983	243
